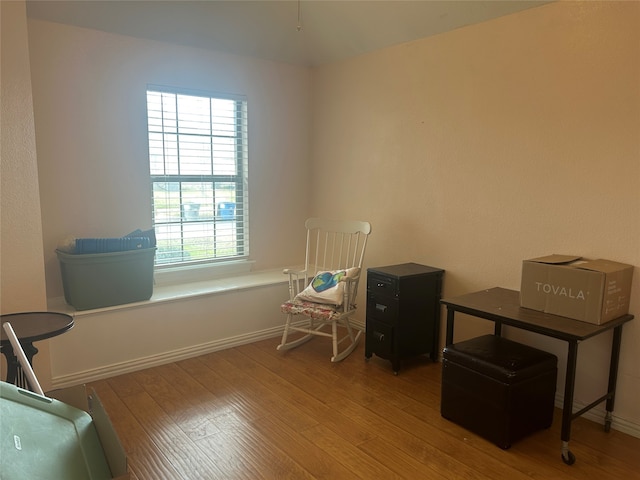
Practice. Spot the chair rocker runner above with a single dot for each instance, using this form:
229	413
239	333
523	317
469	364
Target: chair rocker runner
324	292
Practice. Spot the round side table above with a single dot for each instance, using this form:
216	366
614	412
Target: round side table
29	327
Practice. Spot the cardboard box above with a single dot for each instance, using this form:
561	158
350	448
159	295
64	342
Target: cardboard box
593	291
46	437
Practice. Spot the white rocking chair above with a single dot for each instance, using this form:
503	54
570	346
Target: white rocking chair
332	269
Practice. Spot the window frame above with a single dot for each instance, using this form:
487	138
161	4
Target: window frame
239	180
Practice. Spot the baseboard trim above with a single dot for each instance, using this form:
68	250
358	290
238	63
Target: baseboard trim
358	324
101	373
597	415
86	376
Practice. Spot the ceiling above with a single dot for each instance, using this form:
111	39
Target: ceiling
330	30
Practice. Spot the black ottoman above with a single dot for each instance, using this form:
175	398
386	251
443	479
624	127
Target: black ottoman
497	388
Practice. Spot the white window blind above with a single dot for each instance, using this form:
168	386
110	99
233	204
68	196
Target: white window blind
199	175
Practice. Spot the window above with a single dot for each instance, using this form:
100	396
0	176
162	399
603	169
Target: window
198	166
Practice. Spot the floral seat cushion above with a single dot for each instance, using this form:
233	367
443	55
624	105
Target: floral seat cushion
318	311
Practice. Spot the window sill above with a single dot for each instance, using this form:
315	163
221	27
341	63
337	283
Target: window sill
165	276
174	292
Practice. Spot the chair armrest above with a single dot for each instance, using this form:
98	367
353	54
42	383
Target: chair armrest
293	271
294	281
350	291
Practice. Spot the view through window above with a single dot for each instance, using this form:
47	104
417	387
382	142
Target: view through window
198	166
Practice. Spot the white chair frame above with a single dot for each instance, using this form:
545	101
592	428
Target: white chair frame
22	359
331	245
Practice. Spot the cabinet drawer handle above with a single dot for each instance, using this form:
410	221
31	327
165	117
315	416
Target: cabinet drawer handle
379	336
380	285
381	307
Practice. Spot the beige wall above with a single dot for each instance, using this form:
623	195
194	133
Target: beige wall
90	115
90	111
22	285
468	151
475	149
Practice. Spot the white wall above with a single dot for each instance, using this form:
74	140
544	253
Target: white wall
111	342
469	151
90	114
476	149
22	286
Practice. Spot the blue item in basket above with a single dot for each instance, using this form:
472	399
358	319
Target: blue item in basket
107	245
151	234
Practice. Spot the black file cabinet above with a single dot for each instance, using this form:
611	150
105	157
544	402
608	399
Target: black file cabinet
403	312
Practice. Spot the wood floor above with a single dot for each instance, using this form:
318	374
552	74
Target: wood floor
251	412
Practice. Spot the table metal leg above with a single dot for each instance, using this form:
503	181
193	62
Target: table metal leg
450	318
567	408
12	364
15	375
613	375
497	328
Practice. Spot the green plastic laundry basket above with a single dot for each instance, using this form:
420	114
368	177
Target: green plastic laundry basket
105	279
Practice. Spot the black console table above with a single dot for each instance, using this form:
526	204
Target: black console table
403	312
502	307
